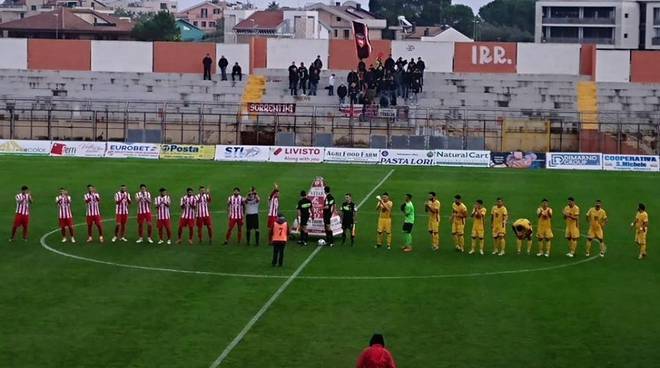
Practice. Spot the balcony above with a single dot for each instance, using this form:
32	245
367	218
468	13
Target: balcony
598	41
574	21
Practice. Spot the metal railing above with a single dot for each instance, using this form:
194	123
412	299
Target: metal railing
460	128
578	21
599	41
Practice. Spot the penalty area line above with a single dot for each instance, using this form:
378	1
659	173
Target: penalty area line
232	345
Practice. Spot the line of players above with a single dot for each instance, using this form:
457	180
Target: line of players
195	211
596	216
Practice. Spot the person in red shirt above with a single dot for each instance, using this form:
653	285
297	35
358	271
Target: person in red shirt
376	356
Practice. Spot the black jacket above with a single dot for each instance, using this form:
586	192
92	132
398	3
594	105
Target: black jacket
223	63
342	91
236	70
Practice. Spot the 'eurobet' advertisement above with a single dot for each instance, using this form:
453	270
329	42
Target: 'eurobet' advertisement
242	153
574	161
187	151
296	154
132	150
630	163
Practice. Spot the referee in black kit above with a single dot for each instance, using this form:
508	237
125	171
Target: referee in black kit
328	211
348	217
304	207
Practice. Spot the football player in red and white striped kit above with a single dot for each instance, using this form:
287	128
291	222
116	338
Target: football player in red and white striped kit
122	201
163	204
64	215
204	214
143	198
236	213
93	201
22	217
188	210
273	208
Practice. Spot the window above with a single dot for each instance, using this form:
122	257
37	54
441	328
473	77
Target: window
34	8
336	33
195	23
163	6
625	15
625	35
212	24
216	11
204	13
338	19
347	34
203	24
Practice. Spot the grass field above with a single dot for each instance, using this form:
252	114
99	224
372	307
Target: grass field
436	309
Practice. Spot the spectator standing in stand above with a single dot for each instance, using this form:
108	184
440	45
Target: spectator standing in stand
207	62
223	64
293	79
342	91
303	77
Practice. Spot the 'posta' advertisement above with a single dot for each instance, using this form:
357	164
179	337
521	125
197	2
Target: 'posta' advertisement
187	151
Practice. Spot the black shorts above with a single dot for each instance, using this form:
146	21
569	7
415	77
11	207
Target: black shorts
327	218
252	222
304	220
407	227
347	225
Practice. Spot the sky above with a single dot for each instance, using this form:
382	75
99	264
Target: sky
475	4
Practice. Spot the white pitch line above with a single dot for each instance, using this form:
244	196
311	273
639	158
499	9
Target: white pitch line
232	345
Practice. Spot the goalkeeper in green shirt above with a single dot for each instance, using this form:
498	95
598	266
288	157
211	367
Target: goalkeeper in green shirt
408	221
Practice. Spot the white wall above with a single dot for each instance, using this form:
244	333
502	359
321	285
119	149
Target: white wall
545	58
282	52
612	65
13	53
122	56
234	52
438	56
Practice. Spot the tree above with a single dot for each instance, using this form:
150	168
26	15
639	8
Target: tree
158	27
511	13
425	13
491	32
273	6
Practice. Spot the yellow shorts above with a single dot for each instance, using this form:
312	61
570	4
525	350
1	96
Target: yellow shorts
385	225
545	233
595	233
640	237
478	233
499	232
457	228
572	233
434	226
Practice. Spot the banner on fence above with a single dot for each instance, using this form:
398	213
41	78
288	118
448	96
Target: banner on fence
461	158
187	151
132	150
351	155
77	149
271	108
24	147
518	160
296	154
242	153
407	157
574	161
630	163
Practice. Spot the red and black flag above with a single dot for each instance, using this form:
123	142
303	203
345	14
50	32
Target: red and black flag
362	44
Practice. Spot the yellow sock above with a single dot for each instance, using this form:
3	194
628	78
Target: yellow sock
548	246
435	239
481	244
519	245
379	239
603	247
474	244
529	246
389	239
588	246
461	242
642	250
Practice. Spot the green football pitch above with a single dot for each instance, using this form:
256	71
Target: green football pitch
133	305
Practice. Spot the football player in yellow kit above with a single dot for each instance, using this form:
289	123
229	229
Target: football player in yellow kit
478	226
523	230
544	229
641	225
459	213
572	216
597	219
499	216
432	207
